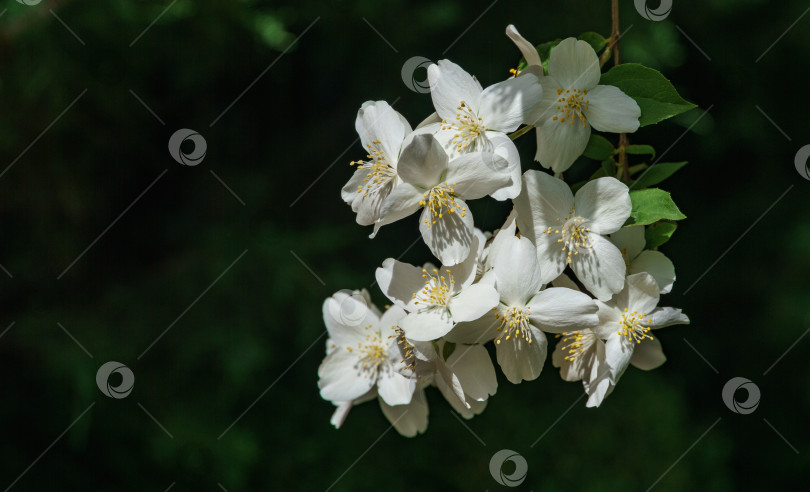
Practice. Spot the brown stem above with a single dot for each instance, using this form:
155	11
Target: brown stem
614	36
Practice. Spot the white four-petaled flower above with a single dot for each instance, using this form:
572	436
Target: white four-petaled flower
570	230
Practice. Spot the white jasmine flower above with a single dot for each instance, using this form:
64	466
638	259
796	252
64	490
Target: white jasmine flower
570	230
526	48
362	353
525	310
580	356
382	132
625	323
477	120
438	185
573	102
435	298
631	242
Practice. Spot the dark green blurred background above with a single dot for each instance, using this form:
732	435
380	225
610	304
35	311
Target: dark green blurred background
250	345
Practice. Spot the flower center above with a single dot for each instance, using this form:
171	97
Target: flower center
407	349
514	323
574	236
380	171
469	128
576	343
371	353
438	199
633	326
437	290
571	103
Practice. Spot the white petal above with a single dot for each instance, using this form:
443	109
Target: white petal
517	271
550	256
426	326
605	202
559	310
610	318
480	330
395	388
574	64
474	369
411	419
648	355
345	315
547	107
464	272
367	202
541	202
433	119
449	86
503	146
340	377
506	105
477	174
423	162
473	302
618	351
389	321
656	264
559	143
601	268
399	281
630	241
378	122
526	48
340	414
400	203
667	316
611	110
449	237
520	360
459	403
640	294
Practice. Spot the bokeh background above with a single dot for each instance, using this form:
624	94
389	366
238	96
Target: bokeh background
90	93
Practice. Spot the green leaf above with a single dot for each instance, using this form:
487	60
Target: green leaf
660	233
609	167
655	95
657	173
640	150
448	349
596	40
599	148
652	205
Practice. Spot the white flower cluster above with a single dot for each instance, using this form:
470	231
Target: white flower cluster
508	286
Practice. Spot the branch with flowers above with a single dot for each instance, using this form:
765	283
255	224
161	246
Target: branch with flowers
578	261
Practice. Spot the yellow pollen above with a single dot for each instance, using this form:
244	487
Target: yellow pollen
371	354
469	129
571	106
574	236
633	326
577	343
438	199
514	324
380	171
437	291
